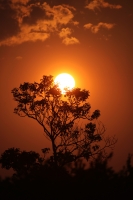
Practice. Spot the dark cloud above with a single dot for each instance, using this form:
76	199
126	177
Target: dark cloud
32	20
78	4
8	24
37	13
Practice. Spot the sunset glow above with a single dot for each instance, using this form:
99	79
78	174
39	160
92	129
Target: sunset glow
64	81
81	44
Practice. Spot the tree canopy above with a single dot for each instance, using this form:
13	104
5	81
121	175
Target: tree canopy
65	118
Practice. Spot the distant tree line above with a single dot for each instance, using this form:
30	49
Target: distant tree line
37	178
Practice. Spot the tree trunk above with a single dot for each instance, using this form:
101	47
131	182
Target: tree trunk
54	153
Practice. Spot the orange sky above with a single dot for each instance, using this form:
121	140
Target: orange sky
91	40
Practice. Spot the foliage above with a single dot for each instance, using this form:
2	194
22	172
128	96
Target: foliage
61	116
22	162
43	181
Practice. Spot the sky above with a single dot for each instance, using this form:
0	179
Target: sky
90	39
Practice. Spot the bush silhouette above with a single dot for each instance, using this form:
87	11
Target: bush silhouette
44	181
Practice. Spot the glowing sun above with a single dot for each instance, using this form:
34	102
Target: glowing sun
65	80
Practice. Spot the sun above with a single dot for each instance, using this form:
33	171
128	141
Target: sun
65	80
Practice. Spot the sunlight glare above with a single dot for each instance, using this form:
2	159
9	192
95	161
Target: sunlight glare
65	80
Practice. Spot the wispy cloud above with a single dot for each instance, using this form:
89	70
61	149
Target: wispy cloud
70	41
67	39
97	4
76	23
65	32
32	22
96	28
19	58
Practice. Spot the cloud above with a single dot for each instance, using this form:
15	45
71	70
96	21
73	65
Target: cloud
20	1
76	23
88	26
65	32
27	33
25	21
97	4
19	58
96	28
70	41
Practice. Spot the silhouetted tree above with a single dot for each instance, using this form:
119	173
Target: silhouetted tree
22	162
60	116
